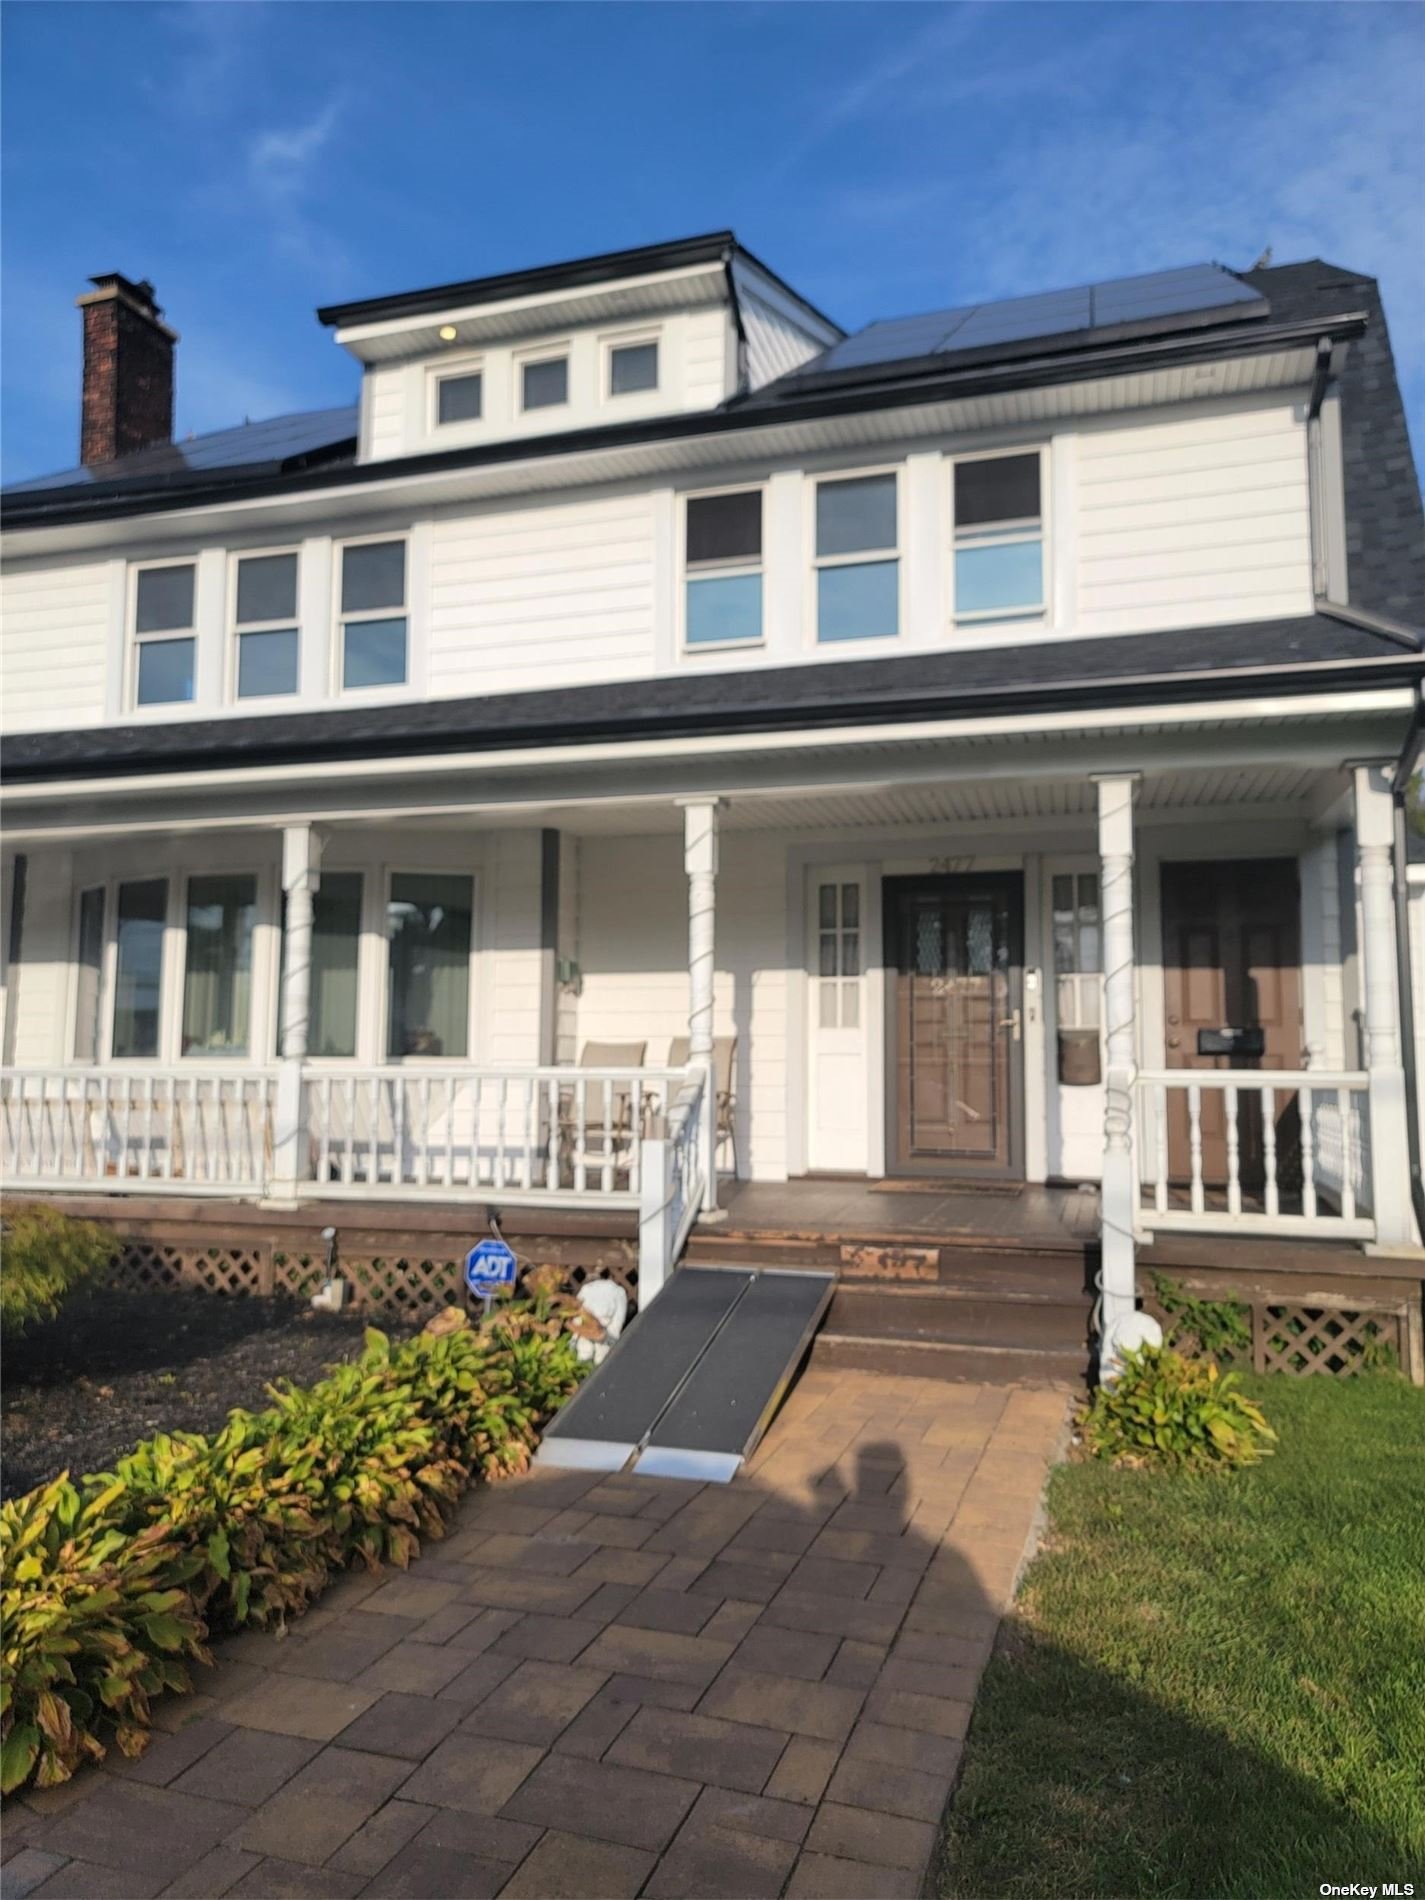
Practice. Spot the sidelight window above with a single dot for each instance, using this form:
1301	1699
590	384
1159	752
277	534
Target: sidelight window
839	955
1078	955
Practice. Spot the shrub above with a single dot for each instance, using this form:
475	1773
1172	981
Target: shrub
1165	1409
46	1257
112	1584
1220	1328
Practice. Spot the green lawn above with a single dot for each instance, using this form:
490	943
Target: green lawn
1215	1686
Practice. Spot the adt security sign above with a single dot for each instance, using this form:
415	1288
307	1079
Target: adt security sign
488	1267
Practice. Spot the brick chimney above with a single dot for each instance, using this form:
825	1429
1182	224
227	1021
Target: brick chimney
128	370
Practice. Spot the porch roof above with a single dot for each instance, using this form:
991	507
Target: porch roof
1325	651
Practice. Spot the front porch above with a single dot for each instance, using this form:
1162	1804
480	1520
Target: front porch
927	992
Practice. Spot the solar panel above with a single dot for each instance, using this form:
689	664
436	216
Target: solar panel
1159	298
280	439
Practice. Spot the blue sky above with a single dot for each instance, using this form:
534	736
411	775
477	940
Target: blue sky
257	159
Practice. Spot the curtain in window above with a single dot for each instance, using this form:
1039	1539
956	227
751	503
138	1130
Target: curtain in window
217	982
336	943
428	924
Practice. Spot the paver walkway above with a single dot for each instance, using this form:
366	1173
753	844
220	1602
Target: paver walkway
602	1686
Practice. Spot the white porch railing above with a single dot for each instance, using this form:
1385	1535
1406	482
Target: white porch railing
558	1136
1290	1152
144	1130
673	1184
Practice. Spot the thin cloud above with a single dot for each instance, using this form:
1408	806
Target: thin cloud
284	170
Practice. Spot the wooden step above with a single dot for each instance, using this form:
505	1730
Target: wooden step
930	1314
941	1359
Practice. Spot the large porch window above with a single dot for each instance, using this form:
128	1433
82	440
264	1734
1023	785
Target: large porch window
428	928
138	966
217	981
336	948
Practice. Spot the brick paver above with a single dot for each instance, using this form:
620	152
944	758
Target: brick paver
602	1685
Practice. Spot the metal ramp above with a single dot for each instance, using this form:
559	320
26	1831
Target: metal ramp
690	1388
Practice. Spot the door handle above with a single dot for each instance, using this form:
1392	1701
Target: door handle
1013	1024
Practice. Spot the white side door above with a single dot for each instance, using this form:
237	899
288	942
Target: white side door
836	1027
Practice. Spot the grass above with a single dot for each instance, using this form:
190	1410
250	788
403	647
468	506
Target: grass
1215	1686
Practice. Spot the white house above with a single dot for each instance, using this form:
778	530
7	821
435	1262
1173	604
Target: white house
652	723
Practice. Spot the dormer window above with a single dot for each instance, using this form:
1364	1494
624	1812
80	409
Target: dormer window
544	382
999	537
459	398
633	368
165	634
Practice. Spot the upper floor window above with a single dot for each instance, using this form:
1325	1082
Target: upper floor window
165	638
459	398
633	367
857	558
544	382
373	614
999	537
265	625
723	556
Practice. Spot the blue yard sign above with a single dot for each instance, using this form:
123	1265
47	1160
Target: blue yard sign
488	1267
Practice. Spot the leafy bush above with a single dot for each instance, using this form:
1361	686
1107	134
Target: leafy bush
44	1257
1168	1410
1220	1328
112	1584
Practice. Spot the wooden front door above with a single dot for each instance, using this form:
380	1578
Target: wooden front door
1232	961
954	956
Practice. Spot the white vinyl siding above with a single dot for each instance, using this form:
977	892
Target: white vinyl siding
1194	519
65	611
538	596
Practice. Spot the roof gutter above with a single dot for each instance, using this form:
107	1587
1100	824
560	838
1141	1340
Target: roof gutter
1405	769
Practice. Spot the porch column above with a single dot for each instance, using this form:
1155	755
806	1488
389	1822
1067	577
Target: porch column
301	874
700	826
1389	1137
1118	1209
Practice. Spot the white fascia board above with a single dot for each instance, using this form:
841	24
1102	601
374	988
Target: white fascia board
719	747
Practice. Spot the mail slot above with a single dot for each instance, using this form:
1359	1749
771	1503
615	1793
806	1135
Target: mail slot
1232	1042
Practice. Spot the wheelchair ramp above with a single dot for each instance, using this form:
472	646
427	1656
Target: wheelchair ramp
692	1384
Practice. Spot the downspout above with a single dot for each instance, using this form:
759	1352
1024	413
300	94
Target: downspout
1405	770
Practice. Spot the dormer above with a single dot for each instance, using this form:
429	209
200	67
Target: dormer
624	337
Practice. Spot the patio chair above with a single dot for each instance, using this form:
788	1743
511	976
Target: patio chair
606	1133
724	1072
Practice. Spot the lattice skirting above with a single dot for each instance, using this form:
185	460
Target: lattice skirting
411	1285
1302	1340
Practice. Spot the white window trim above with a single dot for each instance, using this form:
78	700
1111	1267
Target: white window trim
629	340
235	632
1004	535
717	571
383	880
336	681
814	562
544	353
133	639
453	368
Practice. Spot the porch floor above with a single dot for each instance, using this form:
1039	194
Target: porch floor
1023	1215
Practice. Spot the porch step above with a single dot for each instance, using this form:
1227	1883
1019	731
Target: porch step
937	1316
950	1360
973	1269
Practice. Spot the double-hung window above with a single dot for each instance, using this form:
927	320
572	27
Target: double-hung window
999	537
857	558
335	966
723	558
165	634
374	615
428	929
265	625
